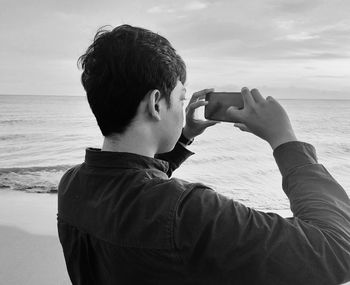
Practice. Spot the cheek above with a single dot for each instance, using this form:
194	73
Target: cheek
182	114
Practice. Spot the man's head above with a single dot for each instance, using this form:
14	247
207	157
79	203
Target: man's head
124	66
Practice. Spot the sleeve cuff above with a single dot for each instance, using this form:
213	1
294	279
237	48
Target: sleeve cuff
179	154
175	157
294	154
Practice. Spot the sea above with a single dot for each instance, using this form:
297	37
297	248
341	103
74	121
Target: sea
43	136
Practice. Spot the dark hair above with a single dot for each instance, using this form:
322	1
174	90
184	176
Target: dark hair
120	67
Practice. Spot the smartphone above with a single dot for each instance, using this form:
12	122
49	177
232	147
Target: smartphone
219	102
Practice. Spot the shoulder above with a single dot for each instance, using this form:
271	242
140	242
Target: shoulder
189	198
183	187
69	174
195	189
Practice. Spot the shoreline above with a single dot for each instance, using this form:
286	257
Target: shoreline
34	213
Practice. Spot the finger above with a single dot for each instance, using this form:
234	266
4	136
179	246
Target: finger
273	100
193	106
207	124
247	97
257	96
234	114
214	122
200	95
270	98
242	127
235	108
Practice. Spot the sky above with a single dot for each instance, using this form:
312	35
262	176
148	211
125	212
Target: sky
285	48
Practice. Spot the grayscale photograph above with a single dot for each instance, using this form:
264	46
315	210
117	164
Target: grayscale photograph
175	142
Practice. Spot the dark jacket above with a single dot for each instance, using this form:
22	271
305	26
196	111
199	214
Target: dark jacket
123	220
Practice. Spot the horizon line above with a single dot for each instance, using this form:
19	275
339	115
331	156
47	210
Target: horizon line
41	95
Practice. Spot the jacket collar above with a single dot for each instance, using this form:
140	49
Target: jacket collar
108	159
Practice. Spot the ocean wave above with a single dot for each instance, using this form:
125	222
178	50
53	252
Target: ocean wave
22	170
11	137
14	121
37	179
212	159
31	188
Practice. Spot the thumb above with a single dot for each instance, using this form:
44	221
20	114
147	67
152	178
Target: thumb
242	127
234	114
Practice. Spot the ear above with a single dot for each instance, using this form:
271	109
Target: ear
153	104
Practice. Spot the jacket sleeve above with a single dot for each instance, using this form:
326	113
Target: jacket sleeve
175	157
214	232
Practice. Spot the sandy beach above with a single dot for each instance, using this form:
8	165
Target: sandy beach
30	249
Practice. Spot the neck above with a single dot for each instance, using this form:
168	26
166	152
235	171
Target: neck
135	140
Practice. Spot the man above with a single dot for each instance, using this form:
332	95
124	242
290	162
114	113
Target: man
123	220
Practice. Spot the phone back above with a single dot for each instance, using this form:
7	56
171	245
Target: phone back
219	102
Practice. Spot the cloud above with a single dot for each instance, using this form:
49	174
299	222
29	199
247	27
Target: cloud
295	92
158	10
302	36
329	55
195	5
251	38
330	76
285	24
155	9
295	6
187	7
226	30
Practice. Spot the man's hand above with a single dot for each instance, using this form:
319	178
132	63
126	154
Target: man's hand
195	127
265	118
